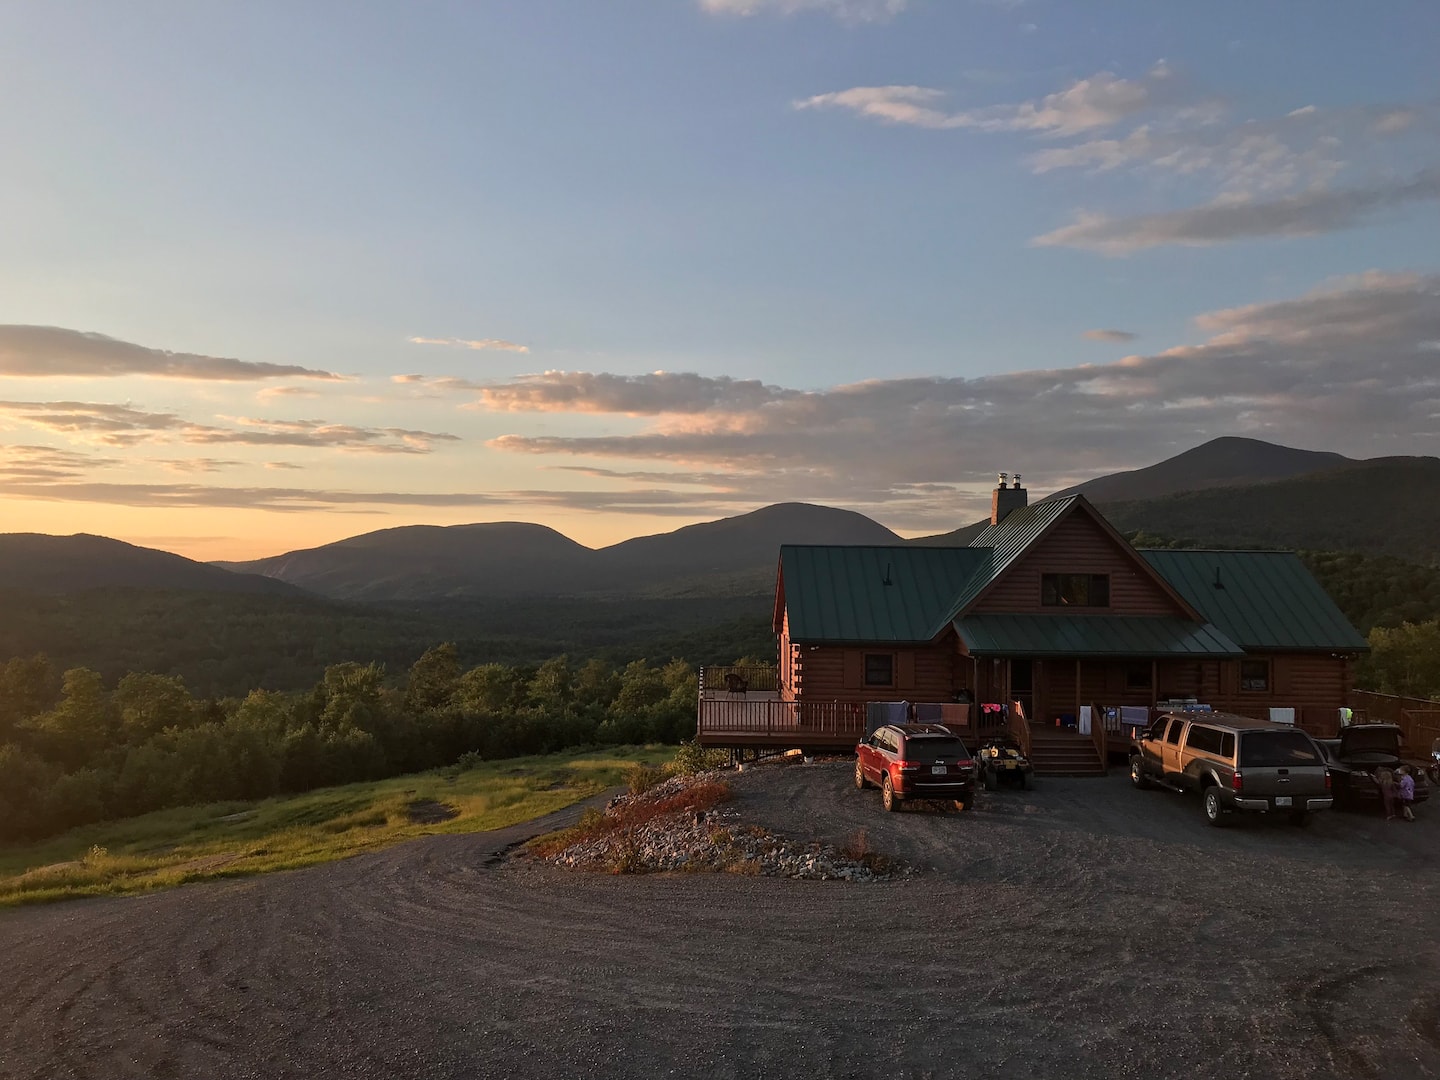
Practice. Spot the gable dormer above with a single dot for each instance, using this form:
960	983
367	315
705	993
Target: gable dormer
1066	559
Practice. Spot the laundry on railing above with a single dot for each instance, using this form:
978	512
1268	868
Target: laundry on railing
1083	722
1282	716
956	715
880	713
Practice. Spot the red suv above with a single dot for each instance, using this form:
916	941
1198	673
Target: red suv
915	761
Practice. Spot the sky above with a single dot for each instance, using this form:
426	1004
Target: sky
277	273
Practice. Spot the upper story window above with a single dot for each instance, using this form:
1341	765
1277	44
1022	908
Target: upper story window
1075	590
879	669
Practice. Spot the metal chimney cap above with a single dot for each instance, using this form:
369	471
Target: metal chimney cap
1017	479
1004	477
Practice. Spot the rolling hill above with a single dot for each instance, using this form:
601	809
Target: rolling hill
1382	506
40	563
424	563
1229	461
433	562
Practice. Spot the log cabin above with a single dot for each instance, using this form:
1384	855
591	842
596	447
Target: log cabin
1049	616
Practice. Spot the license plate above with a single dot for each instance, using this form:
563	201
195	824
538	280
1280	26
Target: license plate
1009	764
1282	800
938	770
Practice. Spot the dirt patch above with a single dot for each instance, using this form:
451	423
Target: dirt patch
430	812
208	862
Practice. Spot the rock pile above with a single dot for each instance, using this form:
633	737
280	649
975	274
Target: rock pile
713	840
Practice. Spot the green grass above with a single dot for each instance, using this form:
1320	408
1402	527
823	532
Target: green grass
172	847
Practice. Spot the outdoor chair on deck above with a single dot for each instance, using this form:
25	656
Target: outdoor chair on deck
735	683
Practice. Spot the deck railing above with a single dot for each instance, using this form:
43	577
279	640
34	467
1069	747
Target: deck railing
740	679
1419	728
771	718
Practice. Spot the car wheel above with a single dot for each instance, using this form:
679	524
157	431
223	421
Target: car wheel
1137	774
1300	818
887	796
1214	808
860	782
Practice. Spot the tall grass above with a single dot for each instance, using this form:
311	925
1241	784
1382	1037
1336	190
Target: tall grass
220	840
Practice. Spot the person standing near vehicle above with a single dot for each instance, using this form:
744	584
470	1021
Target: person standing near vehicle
1407	793
1388	793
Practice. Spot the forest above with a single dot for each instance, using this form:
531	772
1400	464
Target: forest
76	750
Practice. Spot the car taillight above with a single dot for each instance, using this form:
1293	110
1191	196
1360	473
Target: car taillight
964	764
1237	782
907	766
1327	779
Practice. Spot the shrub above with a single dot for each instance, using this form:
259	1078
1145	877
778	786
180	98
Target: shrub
693	758
858	850
645	777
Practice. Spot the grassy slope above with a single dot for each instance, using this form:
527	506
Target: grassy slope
172	847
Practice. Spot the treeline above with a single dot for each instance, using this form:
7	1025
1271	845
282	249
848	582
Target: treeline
74	751
226	644
1403	660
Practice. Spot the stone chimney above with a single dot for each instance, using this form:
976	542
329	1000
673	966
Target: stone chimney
1005	500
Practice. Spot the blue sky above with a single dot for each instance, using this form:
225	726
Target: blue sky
869	244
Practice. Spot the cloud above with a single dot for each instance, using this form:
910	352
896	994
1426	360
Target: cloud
1099	101
36	463
1236	218
272	393
581	391
851	11
1305	148
650	502
197	465
477	343
1351	365
52	351
124	426
1108	335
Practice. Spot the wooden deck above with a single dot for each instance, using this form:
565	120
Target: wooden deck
762	719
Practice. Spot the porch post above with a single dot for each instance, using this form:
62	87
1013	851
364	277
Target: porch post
1154	683
1037	688
1077	693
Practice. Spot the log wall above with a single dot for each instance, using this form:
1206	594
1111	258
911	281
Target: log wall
1078	545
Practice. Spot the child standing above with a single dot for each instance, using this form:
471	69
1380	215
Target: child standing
1407	793
1388	792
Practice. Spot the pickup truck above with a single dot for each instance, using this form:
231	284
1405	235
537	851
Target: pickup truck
1358	754
1235	763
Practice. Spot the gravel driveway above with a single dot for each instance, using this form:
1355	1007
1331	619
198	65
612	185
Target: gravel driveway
1078	930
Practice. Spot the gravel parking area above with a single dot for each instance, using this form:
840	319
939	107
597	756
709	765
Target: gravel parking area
1078	930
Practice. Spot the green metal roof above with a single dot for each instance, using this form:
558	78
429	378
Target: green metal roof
1008	540
839	593
1269	599
1092	635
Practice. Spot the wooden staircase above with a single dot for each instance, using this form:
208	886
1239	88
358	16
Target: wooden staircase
1058	752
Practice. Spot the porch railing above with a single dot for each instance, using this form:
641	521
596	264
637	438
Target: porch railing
740	679
772	718
1099	736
